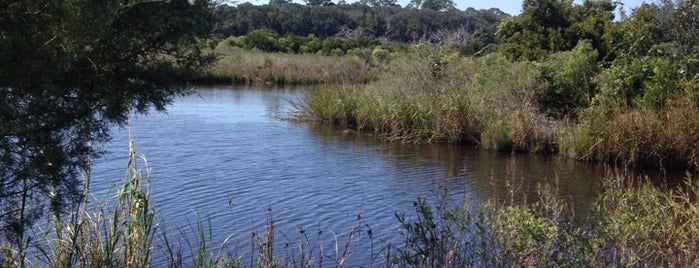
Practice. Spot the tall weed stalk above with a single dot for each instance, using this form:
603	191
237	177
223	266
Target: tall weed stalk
107	235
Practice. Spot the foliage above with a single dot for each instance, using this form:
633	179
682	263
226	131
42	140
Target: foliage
629	226
236	65
436	5
570	77
644	94
566	78
69	70
432	239
548	26
269	41
264	39
368	19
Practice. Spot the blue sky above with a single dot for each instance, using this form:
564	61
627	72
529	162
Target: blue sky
514	7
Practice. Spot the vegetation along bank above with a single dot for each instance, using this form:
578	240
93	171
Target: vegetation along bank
563	78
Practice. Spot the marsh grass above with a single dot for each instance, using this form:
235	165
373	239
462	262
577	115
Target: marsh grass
664	138
431	95
241	66
439	97
106	235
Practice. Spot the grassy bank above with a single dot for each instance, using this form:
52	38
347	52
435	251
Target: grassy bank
632	223
444	98
242	66
563	105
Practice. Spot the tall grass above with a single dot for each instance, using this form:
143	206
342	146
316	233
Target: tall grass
243	66
106	235
440	97
437	96
665	138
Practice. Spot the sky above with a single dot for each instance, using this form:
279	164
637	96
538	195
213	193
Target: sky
512	7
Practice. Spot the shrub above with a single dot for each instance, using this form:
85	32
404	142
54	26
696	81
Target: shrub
570	75
629	226
263	39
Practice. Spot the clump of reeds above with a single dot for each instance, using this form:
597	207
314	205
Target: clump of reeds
667	137
436	96
107	235
242	66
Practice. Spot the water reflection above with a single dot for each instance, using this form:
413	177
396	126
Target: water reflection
480	175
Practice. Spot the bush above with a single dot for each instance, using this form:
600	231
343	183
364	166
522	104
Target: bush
570	75
269	41
263	39
629	226
503	95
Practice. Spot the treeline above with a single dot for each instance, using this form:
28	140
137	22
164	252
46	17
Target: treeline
438	25
642	61
269	41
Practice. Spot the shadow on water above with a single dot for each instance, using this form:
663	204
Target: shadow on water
490	175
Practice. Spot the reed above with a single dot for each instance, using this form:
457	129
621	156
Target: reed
440	97
640	136
103	234
241	66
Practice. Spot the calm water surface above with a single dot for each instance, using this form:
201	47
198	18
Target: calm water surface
222	156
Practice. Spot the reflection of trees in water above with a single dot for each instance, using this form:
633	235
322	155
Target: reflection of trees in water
487	175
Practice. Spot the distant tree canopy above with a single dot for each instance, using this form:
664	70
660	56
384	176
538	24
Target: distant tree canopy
547	26
587	57
381	19
69	70
436	5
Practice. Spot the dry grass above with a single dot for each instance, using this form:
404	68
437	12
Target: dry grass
238	65
665	138
440	97
107	235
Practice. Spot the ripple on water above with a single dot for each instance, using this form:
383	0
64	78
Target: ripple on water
221	157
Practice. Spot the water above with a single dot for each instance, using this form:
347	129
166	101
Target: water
222	157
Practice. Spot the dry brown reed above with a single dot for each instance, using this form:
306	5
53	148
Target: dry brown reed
241	66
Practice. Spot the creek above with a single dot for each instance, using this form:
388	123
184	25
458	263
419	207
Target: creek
224	157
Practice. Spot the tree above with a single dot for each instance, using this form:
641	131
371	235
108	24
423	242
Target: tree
537	31
379	3
315	3
68	71
436	5
549	26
